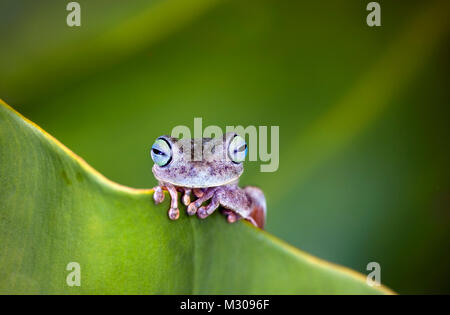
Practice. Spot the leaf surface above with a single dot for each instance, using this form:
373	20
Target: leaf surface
56	209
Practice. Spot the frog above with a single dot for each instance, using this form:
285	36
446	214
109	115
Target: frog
207	180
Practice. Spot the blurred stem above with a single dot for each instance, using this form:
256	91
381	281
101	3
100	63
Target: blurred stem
365	102
85	56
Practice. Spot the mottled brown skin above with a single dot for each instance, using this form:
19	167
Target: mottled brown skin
212	180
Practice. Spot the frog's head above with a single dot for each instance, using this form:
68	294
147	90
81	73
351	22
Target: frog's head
199	163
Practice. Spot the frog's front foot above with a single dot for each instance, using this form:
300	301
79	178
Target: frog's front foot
203	196
205	211
158	196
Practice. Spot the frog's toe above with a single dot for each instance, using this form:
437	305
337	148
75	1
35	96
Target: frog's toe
232	217
192	208
202	212
187	197
174	213
205	211
198	192
158	195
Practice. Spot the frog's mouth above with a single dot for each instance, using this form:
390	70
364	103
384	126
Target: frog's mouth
197	179
194	185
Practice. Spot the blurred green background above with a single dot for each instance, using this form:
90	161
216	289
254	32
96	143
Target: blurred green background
363	112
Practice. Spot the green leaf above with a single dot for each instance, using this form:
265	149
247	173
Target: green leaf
55	209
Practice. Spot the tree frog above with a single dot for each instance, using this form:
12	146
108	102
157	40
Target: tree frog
210	177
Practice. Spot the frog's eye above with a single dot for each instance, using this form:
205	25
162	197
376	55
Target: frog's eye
161	152
237	149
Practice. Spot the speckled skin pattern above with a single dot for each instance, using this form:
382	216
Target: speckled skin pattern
210	178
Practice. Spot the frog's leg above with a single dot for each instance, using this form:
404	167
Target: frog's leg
258	206
174	213
247	203
230	197
218	199
205	211
206	195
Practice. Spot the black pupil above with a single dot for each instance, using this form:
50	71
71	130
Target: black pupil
156	151
241	149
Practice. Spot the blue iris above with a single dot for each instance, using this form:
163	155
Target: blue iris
238	149
161	152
